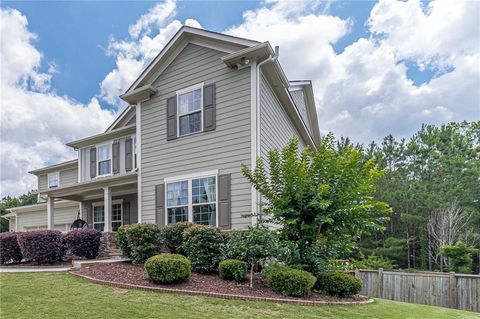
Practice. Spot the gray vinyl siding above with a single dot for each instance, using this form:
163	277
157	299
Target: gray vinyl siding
38	218
67	177
130	198
276	127
225	148
84	160
299	99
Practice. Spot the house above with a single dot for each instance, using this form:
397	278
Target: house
206	104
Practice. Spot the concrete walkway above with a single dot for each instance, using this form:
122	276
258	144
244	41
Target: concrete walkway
33	269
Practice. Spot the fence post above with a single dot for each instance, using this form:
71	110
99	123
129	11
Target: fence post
452	290
380	283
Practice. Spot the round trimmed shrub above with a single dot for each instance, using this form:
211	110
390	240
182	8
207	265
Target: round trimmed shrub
144	241
172	237
232	269
83	243
44	246
168	268
203	246
9	248
291	282
338	284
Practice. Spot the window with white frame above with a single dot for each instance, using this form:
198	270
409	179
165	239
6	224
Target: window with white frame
53	180
190	103
98	216
104	159
117	216
193	200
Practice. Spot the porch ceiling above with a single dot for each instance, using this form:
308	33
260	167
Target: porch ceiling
123	184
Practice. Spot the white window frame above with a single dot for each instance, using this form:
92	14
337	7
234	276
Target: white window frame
190	205
102	204
117	202
111	158
58	179
188	90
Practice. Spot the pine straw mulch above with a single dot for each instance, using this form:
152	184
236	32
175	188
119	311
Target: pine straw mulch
127	273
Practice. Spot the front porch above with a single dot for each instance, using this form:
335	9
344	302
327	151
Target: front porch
105	203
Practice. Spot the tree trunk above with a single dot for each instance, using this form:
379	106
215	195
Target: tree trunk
408	249
251	276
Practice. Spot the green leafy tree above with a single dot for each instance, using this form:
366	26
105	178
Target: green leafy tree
253	246
322	198
461	256
10	202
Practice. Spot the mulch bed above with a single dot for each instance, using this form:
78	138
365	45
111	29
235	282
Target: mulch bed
63	264
127	273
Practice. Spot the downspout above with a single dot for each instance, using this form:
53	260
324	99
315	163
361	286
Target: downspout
270	59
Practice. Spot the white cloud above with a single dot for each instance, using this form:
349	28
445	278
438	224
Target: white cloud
148	35
35	123
364	92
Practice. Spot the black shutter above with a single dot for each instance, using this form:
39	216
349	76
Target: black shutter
128	154
224	202
209	112
93	162
116	157
126	213
172	118
160	204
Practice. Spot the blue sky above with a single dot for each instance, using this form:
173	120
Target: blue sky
377	67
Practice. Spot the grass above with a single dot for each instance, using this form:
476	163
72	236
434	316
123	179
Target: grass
60	295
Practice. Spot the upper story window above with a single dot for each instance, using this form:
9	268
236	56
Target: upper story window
53	180
190	104
104	159
193	200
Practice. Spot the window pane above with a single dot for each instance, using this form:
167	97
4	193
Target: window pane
99	226
104	167
205	214
190	123
203	190
177	214
53	180
117	212
116	225
189	102
104	152
177	193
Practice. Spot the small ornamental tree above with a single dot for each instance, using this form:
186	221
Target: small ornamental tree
460	255
254	245
324	195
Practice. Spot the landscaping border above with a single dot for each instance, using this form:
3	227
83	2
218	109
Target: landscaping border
219	295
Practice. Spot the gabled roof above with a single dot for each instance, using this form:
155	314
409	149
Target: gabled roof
55	167
102	137
185	35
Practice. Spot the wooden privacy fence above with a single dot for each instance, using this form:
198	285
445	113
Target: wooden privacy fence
459	291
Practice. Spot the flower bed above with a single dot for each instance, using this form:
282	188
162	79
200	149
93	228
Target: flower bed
130	274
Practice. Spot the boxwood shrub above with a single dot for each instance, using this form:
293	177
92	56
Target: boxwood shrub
232	269
9	248
168	268
44	247
144	241
291	282
122	242
204	247
83	243
172	237
338	284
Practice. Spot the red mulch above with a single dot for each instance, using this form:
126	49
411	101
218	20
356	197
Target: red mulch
128	273
62	264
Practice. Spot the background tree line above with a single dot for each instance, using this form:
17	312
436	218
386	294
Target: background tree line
432	184
9	202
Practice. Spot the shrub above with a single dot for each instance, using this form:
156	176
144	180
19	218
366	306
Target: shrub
168	268
375	262
44	247
203	246
172	237
278	266
9	248
83	243
291	282
144	241
338	284
122	242
232	269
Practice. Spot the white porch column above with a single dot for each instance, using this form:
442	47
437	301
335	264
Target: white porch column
80	209
107	206
50	208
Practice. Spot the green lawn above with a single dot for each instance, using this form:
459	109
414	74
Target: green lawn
54	295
